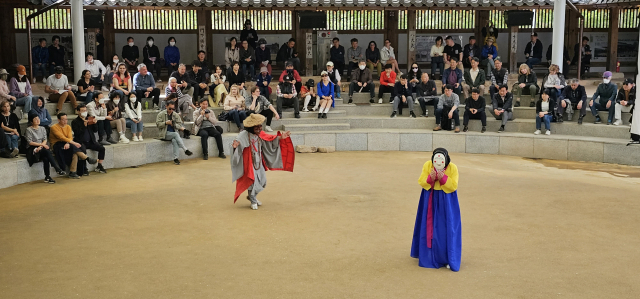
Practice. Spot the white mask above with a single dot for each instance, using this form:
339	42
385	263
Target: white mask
130	44
133	100
150	43
362	67
84	114
102	101
172	43
20	76
116	102
415	69
606	81
439	161
116	61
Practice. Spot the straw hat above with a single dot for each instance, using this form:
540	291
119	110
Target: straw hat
253	120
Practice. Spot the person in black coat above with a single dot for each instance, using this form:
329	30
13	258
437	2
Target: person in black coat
82	133
402	92
544	113
99	45
577	96
475	109
470	51
288	53
586	55
533	51
426	92
198	80
131	54
151	58
249	34
56	54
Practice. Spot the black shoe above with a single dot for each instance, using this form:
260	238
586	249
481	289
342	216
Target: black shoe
100	169
49	180
484	129
324	115
73	175
371	101
176	161
110	140
598	120
60	172
560	118
188	153
394	114
580	119
280	113
465	129
187	134
297	115
91	160
517	104
205	156
423	115
501	129
350	101
411	114
86	172
222	156
319	115
532	104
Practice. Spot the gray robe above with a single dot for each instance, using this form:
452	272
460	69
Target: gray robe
270	153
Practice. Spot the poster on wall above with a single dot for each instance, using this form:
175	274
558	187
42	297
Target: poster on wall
627	49
598	43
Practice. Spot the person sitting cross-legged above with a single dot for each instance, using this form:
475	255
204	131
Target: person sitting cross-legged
287	95
474	78
257	103
544	112
626	99
575	95
169	125
448	107
527	83
326	95
606	93
502	103
474	109
59	90
387	83
402	93
453	76
38	150
361	80
83	134
145	85
204	125
426	92
67	151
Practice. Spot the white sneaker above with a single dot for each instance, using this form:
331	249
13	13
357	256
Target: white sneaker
416	102
617	122
140	138
105	89
548	132
448	267
123	139
305	109
380	101
268	129
537	132
254	206
135	138
314	108
259	202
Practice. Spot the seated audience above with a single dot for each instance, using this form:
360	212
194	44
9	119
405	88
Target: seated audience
263	56
248	60
171	56
67	151
59	90
448	107
387	83
362	80
354	55
388	57
235	77
437	58
326	96
130	54
40	59
288	53
232	53
169	125
115	110
554	82
183	101
204	65
183	80
337	53
308	92
499	76
585	50
402	95
625	100
257	103
426	92
489	53
83	135
10	125
234	104
197	80
20	88
474	109
151	58
204	125
474	78
334	77
56	55
145	86
97	109
544	112
112	68
452	50
122	84
372	55
287	95
297	80
453	76
43	114
566	61
217	85
470	51
38	150
533	51
502	103
133	117
413	75
576	96
262	82
97	69
527	84
86	87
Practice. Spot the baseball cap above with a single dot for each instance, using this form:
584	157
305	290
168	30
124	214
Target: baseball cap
607	74
534	34
330	63
21	70
628	81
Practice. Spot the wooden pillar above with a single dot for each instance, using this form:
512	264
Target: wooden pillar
411	37
572	31
612	55
391	24
208	25
482	16
109	36
513	49
7	38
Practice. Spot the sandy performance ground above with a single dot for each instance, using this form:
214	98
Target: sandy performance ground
340	226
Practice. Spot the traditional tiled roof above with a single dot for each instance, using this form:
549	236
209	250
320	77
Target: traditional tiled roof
337	3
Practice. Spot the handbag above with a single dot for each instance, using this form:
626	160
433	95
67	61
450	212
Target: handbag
224	116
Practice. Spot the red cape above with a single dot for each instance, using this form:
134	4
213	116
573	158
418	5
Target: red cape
247	179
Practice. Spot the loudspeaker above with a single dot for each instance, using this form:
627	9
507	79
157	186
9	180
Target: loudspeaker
93	19
313	19
518	17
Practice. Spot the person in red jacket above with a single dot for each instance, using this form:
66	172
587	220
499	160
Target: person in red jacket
296	76
387	82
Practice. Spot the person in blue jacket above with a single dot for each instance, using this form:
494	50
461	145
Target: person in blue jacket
488	54
262	81
172	55
325	90
40	57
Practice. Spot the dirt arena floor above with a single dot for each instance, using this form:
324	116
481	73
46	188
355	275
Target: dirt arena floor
340	226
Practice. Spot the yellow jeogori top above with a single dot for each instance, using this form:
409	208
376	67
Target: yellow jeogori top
452	178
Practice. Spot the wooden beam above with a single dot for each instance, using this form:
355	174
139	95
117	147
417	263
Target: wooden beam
209	32
391	24
7	38
612	55
411	38
109	36
513	49
482	16
572	31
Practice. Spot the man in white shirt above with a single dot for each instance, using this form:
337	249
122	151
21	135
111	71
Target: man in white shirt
473	78
97	70
59	90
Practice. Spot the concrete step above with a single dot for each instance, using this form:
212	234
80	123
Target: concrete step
316	127
530	113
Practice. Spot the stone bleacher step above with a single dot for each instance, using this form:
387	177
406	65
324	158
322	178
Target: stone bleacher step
316	127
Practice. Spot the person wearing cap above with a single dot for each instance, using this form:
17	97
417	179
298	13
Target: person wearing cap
474	78
554	82
387	82
452	50
354	54
533	51
66	150
263	56
288	53
20	88
59	90
145	85
362	81
38	149
470	51
307	93
249	34
326	95
576	96
5	92
583	49
625	100
499	76
337	53
247	60
262	82
257	103
402	95
82	134
40	59
262	151
373	57
204	125
334	77
56	55
488	54
453	76
291	71
169	125
197	80
287	95
97	69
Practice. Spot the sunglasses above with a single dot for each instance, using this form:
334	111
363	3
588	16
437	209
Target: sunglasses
170	109
323	76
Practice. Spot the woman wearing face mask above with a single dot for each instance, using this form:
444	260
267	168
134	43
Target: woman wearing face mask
172	55
43	114
97	108
112	68
263	56
414	75
151	58
115	110
20	88
232	53
82	134
38	150
134	117
217	85
86	86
